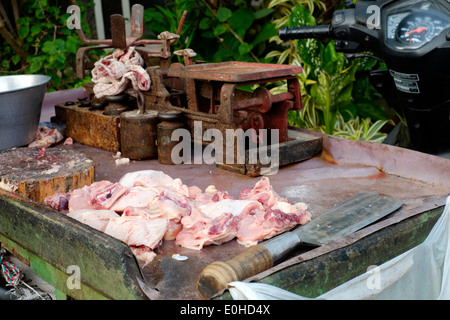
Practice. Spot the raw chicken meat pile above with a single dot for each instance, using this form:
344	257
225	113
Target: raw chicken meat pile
146	207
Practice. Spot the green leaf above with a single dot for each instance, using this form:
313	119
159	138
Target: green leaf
72	45
22	20
56	80
263	13
311	53
15	59
283	56
244	48
267	32
219	29
205	23
223	14
36	65
60	45
35	30
38	14
241	20
370	109
343	97
320	92
152	15
49	47
330	52
275	3
301	17
23	31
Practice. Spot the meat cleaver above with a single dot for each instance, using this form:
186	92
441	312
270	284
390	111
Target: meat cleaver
355	213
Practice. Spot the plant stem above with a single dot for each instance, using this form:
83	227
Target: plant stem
14	45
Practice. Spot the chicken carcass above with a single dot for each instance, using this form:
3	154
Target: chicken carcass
155	207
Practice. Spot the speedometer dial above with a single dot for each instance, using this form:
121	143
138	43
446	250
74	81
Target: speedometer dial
418	28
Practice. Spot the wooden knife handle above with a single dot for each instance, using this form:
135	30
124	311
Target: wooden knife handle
215	277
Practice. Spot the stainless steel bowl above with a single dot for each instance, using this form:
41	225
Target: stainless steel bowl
21	98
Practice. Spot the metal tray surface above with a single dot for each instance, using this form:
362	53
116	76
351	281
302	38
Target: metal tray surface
344	168
234	71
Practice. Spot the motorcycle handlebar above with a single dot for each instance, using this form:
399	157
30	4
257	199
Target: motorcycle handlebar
322	31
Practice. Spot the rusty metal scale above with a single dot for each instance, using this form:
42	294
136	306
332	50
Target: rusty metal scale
206	93
213	96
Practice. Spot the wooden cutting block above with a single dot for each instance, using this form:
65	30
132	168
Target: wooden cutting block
38	173
89	127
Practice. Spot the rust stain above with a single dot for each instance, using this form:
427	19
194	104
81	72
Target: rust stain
378	176
326	156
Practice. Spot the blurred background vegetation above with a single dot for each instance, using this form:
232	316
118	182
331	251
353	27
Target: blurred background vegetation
337	96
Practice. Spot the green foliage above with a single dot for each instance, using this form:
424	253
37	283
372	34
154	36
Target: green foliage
159	19
337	96
359	129
335	101
238	31
333	89
47	45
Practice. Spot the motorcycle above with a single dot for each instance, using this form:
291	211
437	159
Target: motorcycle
412	37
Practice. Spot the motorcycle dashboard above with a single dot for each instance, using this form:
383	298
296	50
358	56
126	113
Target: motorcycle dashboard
413	29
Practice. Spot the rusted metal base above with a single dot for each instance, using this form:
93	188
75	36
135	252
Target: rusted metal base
91	128
138	134
300	146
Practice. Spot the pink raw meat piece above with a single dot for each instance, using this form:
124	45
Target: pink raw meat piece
58	201
212	194
99	195
153	178
262	192
155	206
136	197
262	225
143	254
97	219
202	231
138	230
174	207
214	222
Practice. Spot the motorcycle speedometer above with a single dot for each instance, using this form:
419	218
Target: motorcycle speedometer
419	28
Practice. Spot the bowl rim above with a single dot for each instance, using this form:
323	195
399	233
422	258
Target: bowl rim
45	79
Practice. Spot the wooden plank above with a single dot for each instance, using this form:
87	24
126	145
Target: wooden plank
107	265
57	278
